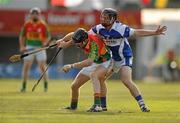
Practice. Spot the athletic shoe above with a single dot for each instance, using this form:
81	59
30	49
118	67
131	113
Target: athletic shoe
23	90
145	109
70	108
95	108
104	109
45	89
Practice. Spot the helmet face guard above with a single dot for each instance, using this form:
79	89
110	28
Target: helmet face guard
108	16
35	10
35	13
80	35
105	20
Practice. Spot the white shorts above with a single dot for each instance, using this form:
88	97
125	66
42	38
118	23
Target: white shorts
127	61
40	56
87	70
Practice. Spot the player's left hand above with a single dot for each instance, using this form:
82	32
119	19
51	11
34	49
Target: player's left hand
161	30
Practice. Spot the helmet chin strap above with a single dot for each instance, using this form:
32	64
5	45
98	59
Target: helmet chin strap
106	25
85	42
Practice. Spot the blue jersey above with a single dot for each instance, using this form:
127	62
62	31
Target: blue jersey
116	39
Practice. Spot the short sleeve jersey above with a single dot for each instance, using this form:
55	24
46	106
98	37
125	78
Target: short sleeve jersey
116	39
35	33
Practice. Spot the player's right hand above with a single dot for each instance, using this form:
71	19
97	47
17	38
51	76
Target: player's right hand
23	49
161	30
67	68
61	43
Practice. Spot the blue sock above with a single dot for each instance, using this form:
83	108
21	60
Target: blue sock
140	101
103	101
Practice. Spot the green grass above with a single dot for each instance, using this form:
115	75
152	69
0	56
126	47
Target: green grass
38	107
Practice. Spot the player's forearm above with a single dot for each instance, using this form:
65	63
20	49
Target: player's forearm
63	44
21	41
47	41
68	37
82	64
142	32
69	43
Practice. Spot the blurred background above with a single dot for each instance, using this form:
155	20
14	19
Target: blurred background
154	57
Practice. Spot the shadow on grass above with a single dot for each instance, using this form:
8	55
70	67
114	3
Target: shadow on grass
84	112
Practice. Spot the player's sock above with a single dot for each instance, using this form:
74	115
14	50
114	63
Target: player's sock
23	89
103	103
97	99
45	86
140	102
74	103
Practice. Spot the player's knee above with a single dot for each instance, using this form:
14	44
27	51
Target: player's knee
102	79
74	87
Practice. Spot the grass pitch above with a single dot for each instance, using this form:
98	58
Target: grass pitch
38	107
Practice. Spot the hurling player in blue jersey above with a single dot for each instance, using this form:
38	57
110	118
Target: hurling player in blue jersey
115	36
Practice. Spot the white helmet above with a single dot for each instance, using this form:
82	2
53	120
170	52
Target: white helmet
35	9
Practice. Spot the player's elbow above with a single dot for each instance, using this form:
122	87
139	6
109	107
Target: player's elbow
89	62
136	34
